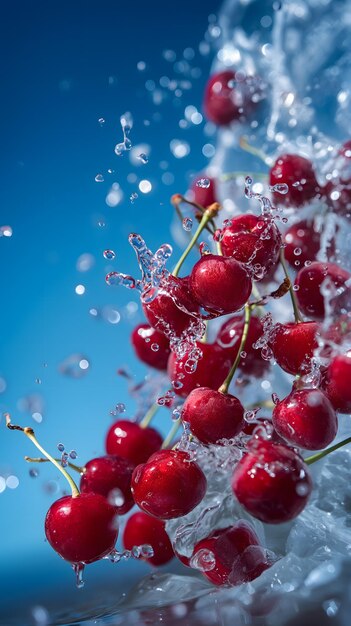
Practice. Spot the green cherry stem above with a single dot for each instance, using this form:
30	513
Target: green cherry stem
172	433
316	457
233	175
291	291
40	459
244	145
29	432
149	415
208	215
225	386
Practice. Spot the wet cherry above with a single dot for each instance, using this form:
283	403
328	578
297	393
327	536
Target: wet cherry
306	418
169	485
204	196
310	282
229	338
297	172
131	441
173	309
228	97
110	476
302	243
143	529
336	383
151	346
213	415
293	345
272	482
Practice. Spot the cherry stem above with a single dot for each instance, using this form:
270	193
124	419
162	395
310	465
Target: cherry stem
208	215
172	433
149	415
29	432
257	295
177	200
40	459
225	386
312	459
297	314
234	175
244	144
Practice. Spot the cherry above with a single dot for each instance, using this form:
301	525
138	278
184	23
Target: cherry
306	418
229	97
169	485
130	441
271	482
143	529
298	173
204	196
220	284
82	529
293	345
151	346
252	240
107	475
231	556
341	186
211	369
336	383
266	424
229	338
310	281
302	243
213	415
173	309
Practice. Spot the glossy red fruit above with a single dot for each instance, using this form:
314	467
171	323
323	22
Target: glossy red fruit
229	338
151	346
302	243
337	383
306	418
213	415
231	556
111	477
82	529
143	529
293	345
204	196
229	98
169	485
310	282
298	173
220	284
130	441
173	310
211	369
272	482
252	240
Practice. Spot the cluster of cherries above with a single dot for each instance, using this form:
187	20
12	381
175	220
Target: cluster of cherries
271	481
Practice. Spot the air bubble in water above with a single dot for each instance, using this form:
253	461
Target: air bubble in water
109	255
99	178
187	224
204	183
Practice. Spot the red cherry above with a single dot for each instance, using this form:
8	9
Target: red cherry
82	529
130	441
213	415
302	243
169	485
143	529
173	309
306	418
220	284
293	345
229	338
204	196
272	482
309	282
211	369
105	475
228	98
337	383
150	346
231	556
252	240
298	173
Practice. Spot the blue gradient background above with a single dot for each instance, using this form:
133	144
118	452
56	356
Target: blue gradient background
57	58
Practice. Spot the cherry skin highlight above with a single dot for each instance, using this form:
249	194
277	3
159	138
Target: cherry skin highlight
213	415
150	346
252	240
143	529
231	556
293	345
229	338
204	196
336	383
169	485
298	173
220	284
228	99
105	475
306	418
82	529
211	370
173	310
272	482
130	441
309	281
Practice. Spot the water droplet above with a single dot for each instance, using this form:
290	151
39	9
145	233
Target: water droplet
78	569
60	447
204	183
101	121
38	381
99	178
133	196
5	231
275	398
143	158
155	347
187	224
73	454
146	551
204	248
120	407
33	473
297	251
109	255
302	489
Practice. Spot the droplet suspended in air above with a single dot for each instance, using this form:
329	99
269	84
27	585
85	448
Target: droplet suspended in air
187	224
204	183
109	255
5	231
99	178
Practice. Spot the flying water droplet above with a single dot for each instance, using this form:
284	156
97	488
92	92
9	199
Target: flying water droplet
133	196
99	178
101	121
281	188
78	569
187	224
143	158
5	231
204	183
109	255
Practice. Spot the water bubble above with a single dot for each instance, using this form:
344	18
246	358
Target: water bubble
75	366
109	255
187	224
155	347
5	231
99	178
204	183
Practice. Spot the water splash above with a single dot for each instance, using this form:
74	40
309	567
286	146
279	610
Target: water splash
127	124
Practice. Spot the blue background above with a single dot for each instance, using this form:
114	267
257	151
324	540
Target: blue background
64	66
